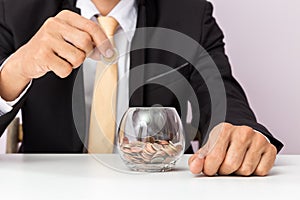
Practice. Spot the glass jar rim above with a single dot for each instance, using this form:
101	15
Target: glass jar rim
145	108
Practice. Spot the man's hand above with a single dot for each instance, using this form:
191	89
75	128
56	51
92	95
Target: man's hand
234	150
61	44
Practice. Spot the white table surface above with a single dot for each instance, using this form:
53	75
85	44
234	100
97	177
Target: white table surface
83	177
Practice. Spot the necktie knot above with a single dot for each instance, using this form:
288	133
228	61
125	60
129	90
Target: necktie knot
108	24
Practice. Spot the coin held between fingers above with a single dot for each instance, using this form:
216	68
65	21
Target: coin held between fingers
109	53
111	56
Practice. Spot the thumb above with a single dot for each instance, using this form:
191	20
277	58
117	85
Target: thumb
196	163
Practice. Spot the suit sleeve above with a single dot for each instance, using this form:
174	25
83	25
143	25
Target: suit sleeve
6	49
238	111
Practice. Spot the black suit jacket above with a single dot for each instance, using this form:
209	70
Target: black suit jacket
48	120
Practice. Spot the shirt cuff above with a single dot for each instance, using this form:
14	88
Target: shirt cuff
263	135
7	106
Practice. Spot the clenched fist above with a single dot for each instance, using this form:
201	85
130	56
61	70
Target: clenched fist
234	150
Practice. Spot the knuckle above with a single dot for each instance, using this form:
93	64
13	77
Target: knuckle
51	22
261	172
66	71
77	59
246	130
215	156
63	13
245	134
260	140
86	41
225	169
246	170
50	26
229	167
234	164
263	140
211	164
225	131
45	41
44	54
40	70
61	69
224	134
209	172
243	138
226	127
80	57
92	27
231	164
273	148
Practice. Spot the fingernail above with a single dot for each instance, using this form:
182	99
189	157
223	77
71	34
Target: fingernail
195	160
200	155
192	165
195	165
109	53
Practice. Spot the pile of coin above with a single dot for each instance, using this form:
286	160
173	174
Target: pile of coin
150	150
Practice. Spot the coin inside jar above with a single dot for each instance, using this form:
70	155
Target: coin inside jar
150	151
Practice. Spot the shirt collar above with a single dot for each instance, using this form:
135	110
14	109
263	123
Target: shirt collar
125	12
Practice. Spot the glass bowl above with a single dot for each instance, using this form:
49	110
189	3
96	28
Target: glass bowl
151	139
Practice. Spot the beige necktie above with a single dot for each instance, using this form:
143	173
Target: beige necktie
103	112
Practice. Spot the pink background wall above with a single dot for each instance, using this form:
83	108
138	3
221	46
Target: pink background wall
263	43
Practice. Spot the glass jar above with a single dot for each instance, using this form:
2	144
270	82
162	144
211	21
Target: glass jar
151	139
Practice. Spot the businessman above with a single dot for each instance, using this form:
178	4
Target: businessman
43	47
